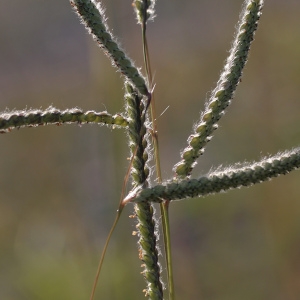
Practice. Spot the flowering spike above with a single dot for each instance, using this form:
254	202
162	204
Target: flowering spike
92	16
144	10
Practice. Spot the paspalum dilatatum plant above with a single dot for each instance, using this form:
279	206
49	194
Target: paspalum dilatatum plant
139	121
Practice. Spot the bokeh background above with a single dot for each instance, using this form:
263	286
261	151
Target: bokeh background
60	186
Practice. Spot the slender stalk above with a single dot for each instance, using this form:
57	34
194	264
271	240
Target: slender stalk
119	212
104	250
164	206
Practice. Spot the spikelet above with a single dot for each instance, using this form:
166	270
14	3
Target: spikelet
144	10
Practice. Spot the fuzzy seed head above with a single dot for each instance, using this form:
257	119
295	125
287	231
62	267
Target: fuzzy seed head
144	10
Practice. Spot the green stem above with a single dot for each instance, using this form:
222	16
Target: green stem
164	206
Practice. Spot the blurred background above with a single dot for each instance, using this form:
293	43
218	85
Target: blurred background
60	186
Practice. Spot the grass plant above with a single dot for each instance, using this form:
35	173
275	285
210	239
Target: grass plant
139	121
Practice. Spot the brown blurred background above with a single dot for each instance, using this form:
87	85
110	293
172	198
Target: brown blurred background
59	186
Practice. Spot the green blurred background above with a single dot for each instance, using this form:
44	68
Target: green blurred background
59	186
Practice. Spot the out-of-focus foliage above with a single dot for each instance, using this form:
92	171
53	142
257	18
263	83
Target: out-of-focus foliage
59	186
